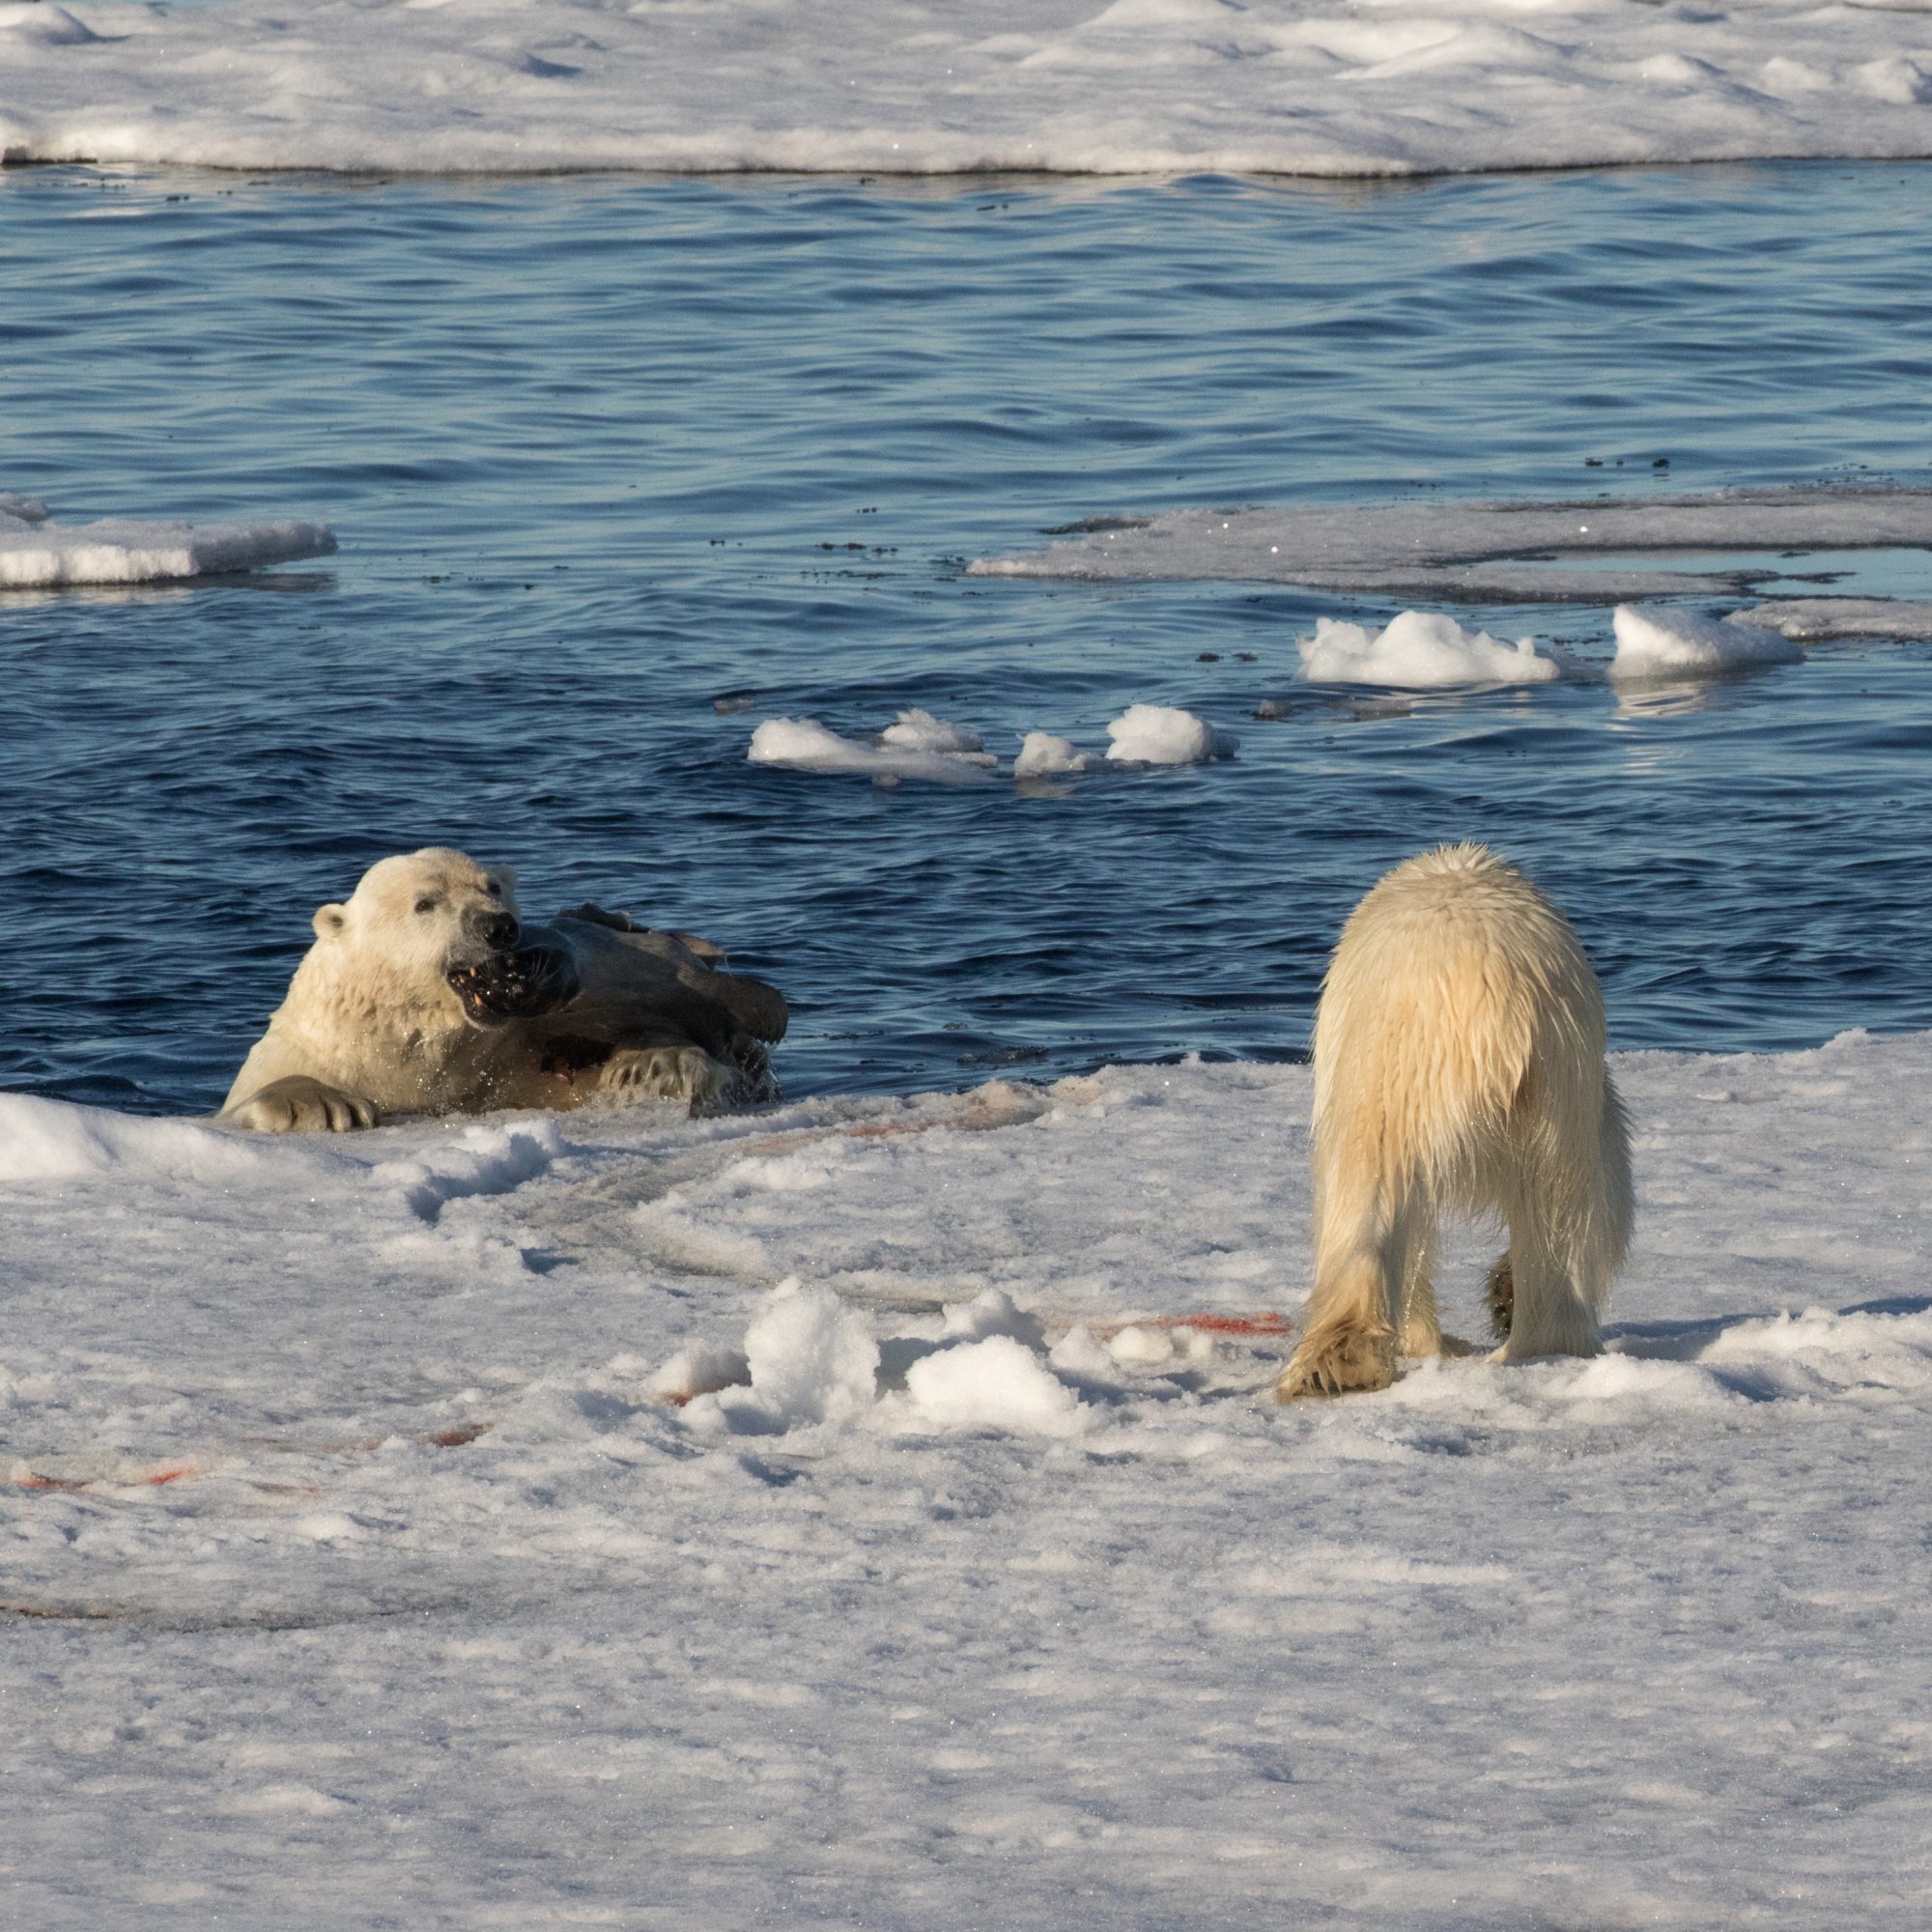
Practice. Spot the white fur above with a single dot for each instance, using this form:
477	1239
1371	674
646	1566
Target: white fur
1458	1068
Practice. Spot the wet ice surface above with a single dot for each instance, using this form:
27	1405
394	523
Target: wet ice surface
431	1605
621	469
1496	552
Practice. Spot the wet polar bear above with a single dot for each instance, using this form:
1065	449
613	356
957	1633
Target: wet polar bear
1458	1066
426	994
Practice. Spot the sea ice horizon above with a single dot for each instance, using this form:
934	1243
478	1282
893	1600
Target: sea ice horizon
1135	87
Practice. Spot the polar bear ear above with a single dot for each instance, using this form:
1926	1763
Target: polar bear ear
329	919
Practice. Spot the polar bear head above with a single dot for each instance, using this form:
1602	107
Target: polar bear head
421	927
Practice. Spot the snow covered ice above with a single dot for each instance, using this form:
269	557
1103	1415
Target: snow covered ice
359	1553
1418	650
1083	86
39	554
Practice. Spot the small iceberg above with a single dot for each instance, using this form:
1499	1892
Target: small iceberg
37	553
1420	650
1655	640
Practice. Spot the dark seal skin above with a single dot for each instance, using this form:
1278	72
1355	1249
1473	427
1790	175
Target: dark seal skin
533	979
594	985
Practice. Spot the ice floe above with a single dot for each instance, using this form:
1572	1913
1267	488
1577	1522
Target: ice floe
1164	86
1483	552
471	1474
39	554
1159	734
1814	619
1419	650
1657	640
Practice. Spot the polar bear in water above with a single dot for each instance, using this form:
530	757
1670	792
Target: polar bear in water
1459	1067
426	994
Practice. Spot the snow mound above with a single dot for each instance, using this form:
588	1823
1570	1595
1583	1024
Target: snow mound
1156	734
700	1370
1655	640
994	1313
998	1383
1419	650
37	554
1043	756
52	1140
805	745
810	1359
482	1160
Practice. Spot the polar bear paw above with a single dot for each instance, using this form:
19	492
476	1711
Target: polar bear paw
667	1073
1339	1358
300	1105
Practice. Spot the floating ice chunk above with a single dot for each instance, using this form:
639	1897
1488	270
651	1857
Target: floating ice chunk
1419	650
919	730
811	1358
1655	640
37	554
998	1383
1043	756
1155	734
805	745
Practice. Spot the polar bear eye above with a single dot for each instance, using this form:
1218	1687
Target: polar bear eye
490	887
428	902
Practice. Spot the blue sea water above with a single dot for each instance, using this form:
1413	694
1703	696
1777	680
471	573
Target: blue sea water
620	467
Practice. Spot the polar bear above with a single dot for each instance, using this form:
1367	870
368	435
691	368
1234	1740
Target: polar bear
1458	1065
425	993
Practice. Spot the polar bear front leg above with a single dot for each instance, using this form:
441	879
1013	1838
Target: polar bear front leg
300	1105
665	1073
